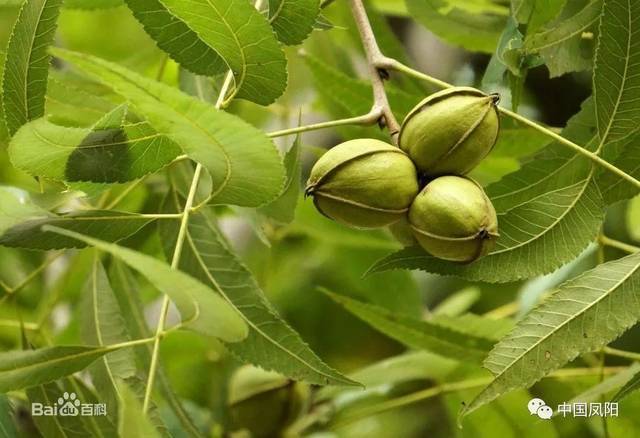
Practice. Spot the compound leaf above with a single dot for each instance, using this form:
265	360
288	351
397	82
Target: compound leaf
109	152
271	343
444	339
616	76
28	368
201	309
583	315
243	162
243	38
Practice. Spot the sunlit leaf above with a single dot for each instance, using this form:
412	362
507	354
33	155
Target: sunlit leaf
109	152
243	38
92	4
24	82
174	37
243	162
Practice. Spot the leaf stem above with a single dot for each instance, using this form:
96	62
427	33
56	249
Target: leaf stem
175	261
370	118
622	353
384	62
376	71
607	241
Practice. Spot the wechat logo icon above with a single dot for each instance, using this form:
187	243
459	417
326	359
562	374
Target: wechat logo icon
68	405
538	407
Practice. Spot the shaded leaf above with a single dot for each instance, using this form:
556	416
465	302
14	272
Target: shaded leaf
105	224
126	291
133	422
202	310
24	83
536	13
271	343
243	162
7	427
477	32
629	387
429	335
104	325
243	38
28	368
174	37
293	20
55	426
283	209
562	45
109	152
584	314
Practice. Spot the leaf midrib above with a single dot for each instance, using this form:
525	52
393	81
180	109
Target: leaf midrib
250	323
568	321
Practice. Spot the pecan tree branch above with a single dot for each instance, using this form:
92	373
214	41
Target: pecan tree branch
375	61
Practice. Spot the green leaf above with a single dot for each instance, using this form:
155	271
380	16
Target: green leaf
202	309
476	32
429	335
283	209
594	393
28	368
24	83
627	159
271	343
350	97
243	38
104	325
552	198
105	224
243	162
562	45
126	292
583	315
616	75
92	4
74	102
109	152
536	13
629	387
293	20
174	37
133	422
7	427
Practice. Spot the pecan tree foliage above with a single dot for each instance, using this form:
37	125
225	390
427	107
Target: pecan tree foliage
158	256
